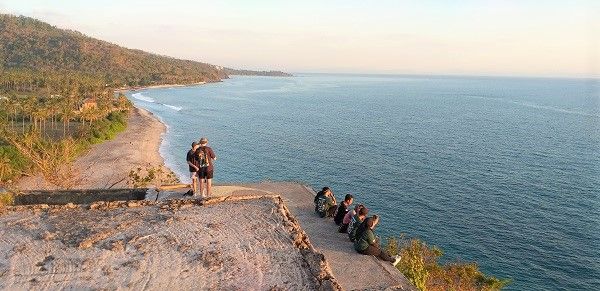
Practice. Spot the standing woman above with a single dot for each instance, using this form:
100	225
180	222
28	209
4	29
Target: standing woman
366	242
207	158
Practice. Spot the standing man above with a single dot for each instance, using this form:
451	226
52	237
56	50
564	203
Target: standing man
206	158
193	165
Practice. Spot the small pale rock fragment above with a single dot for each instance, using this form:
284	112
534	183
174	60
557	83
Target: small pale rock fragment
86	244
49	236
118	246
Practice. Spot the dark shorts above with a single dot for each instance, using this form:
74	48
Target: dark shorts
205	174
343	228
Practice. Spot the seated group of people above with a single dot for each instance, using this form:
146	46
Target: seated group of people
354	222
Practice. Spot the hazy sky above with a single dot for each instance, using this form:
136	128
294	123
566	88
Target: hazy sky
485	37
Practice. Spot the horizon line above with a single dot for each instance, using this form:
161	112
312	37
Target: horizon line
448	75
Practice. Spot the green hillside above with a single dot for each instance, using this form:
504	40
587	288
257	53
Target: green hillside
32	45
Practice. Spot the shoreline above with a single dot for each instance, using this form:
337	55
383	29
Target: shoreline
107	165
126	89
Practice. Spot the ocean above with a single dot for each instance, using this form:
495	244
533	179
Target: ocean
501	171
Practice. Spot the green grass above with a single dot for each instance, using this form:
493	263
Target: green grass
106	129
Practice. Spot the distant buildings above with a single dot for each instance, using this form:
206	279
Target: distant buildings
88	103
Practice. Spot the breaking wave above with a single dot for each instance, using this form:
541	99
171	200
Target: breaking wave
139	96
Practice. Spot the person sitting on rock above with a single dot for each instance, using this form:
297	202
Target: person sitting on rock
367	243
319	195
348	217
326	204
343	209
356	221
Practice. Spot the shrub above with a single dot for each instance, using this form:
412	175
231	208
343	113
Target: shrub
419	263
155	176
6	199
12	163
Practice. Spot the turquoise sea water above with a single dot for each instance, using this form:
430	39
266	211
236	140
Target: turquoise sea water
502	171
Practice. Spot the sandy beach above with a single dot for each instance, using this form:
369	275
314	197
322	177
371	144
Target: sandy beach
108	164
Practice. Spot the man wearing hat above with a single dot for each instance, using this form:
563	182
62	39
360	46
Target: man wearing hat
206	157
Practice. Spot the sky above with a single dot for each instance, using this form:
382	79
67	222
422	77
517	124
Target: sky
486	37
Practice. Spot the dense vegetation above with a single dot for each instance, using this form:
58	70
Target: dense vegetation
256	73
32	45
420	264
57	93
36	143
29	44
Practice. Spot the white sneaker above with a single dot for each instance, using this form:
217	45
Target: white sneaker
397	260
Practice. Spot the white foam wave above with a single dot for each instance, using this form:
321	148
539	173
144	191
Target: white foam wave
139	96
533	105
176	108
551	108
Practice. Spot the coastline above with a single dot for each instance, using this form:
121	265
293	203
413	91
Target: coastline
125	89
107	165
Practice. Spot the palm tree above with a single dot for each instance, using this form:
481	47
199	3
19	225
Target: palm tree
67	114
14	105
25	110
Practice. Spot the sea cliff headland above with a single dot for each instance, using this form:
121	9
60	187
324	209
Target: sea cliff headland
266	231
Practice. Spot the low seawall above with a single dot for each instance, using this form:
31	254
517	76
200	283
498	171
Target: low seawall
62	197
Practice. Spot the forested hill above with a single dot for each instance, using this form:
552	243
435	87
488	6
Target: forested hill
256	73
27	44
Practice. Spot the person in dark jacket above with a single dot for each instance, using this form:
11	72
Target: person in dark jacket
325	203
193	166
343	209
319	195
356	221
366	242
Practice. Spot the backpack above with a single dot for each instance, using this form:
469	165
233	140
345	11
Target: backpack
320	207
319	194
351	224
203	159
352	227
